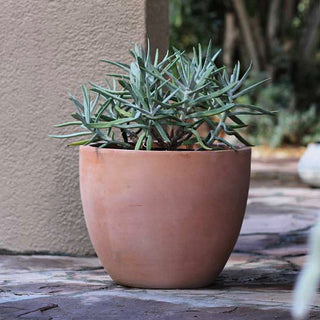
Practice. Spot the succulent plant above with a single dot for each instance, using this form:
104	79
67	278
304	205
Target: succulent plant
157	103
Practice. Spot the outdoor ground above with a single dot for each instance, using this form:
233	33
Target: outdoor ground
256	283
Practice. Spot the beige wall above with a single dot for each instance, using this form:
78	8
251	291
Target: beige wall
46	48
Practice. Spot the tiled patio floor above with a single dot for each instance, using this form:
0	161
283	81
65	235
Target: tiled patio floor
256	283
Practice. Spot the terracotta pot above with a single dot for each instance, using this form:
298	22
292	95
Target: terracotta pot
164	219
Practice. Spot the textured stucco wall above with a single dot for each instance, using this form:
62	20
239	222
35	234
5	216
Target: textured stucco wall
46	48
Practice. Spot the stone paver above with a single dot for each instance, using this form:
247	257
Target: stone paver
256	283
274	167
272	172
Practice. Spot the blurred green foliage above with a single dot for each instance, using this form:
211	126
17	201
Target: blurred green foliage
193	22
286	42
290	127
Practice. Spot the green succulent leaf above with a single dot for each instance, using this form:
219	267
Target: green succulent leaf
149	142
226	143
210	113
241	93
123	66
80	143
199	139
67	124
161	131
140	141
71	135
86	103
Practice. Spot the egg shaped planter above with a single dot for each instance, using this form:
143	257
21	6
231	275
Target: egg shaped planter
164	219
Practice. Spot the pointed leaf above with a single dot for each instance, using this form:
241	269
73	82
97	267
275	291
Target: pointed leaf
161	131
66	124
199	139
64	136
123	66
248	89
226	143
149	142
140	140
86	103
210	113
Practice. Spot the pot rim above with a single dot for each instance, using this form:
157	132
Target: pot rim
181	151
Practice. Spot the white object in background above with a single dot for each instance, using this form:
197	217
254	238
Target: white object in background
309	278
309	165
